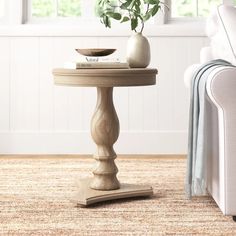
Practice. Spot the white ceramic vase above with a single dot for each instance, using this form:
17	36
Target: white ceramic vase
138	51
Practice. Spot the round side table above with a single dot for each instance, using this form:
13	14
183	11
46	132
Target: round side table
105	129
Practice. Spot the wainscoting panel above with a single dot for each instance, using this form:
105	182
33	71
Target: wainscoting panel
38	117
150	103
46	86
24	85
162	53
5	84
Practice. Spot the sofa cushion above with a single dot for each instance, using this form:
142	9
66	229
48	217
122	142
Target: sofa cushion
221	29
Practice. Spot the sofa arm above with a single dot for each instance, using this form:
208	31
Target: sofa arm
221	89
205	56
188	74
221	86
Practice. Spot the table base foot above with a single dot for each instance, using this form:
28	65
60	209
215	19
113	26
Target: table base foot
87	196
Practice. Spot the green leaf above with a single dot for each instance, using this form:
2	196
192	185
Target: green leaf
155	9
114	15
147	16
134	23
107	21
101	3
152	2
137	7
126	4
125	18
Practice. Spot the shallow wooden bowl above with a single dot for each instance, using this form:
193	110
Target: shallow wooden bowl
95	52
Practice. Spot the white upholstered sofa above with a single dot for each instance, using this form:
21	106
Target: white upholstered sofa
221	108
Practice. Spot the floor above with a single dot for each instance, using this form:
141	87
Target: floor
38	197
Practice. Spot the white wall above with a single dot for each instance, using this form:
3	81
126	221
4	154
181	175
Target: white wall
38	117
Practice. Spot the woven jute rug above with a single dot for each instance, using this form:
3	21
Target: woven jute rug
35	199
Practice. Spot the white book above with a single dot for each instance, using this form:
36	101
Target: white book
101	59
96	65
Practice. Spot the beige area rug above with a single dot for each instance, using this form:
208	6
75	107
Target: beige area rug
35	199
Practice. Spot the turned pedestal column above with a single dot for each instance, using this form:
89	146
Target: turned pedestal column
105	132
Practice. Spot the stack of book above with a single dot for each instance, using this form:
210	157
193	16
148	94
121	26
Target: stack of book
97	63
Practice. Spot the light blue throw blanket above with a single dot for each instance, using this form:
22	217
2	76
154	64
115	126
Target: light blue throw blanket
196	160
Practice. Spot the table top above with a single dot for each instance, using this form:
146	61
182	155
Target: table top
105	77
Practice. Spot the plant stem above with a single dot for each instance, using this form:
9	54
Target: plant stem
142	21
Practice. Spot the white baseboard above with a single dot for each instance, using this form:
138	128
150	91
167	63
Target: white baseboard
135	142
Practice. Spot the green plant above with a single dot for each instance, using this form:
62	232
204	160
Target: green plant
135	11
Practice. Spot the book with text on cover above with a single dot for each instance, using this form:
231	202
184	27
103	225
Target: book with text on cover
96	65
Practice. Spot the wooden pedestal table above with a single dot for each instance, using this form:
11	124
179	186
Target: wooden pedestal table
105	129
